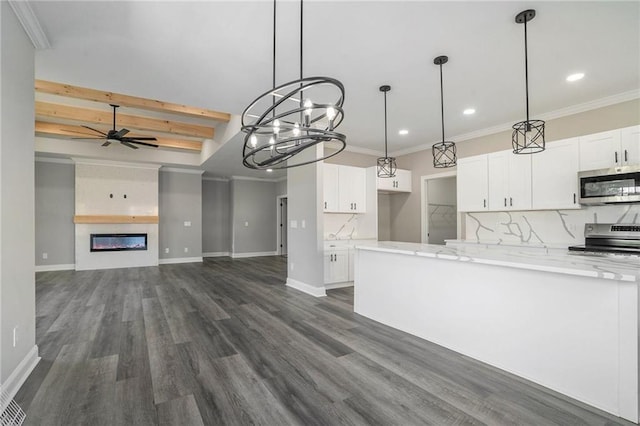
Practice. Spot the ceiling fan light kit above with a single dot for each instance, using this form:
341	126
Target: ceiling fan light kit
444	152
286	120
386	165
528	136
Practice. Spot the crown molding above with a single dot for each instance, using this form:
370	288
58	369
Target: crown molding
30	23
365	151
53	160
215	179
253	179
98	162
552	115
179	170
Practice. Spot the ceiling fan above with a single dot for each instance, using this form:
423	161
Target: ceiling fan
119	135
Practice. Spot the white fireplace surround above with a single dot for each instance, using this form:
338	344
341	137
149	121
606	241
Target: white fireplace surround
106	188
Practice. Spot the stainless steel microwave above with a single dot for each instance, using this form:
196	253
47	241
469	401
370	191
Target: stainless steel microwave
615	185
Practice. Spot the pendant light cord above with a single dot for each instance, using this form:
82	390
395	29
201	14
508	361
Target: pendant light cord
442	102
273	70
385	125
526	70
301	20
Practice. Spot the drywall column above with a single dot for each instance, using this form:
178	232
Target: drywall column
305	241
18	355
216	217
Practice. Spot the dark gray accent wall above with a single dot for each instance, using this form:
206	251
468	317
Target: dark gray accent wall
253	210
54	210
180	201
216	218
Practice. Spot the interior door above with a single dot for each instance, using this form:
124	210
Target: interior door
283	226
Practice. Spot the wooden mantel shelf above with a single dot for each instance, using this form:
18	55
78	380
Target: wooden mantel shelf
114	219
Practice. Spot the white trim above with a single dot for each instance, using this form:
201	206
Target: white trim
16	379
254	254
278	221
253	179
216	254
281	179
30	23
179	260
216	179
306	288
95	161
60	267
179	170
424	226
338	285
552	115
53	160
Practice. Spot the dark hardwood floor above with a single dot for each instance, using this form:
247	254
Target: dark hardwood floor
225	342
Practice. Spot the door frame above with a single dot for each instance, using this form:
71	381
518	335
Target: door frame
278	218
424	222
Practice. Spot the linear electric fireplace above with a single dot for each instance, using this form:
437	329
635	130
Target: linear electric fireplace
118	242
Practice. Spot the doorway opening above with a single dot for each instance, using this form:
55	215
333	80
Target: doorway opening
440	221
281	239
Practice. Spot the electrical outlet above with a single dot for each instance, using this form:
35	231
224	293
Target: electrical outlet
45	255
15	335
186	249
187	223
166	250
303	223
292	266
246	224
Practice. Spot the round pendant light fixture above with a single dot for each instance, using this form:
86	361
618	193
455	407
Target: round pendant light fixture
528	135
283	122
444	153
386	165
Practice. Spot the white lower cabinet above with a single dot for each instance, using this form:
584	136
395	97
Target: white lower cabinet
336	265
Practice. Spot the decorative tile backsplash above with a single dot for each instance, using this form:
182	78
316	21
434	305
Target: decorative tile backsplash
544	226
350	226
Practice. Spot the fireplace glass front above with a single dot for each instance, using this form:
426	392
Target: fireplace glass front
118	242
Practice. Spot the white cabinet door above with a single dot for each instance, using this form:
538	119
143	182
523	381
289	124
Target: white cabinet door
630	143
330	189
352	189
472	184
600	151
519	181
386	184
498	165
336	266
555	176
403	181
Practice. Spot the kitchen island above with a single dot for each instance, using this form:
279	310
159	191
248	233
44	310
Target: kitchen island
567	322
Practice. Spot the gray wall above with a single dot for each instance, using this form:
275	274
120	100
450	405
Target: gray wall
179	201
253	216
54	210
216	218
281	187
405	209
17	237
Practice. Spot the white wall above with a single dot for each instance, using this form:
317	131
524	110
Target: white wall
17	240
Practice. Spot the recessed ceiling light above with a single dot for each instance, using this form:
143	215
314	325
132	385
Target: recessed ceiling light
575	77
269	170
469	111
403	132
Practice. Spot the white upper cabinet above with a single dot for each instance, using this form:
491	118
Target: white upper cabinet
401	182
344	189
555	176
509	181
472	184
604	150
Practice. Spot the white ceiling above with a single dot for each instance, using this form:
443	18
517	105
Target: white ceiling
218	55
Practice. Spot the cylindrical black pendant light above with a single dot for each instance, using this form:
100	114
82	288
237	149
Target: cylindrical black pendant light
528	135
444	153
386	165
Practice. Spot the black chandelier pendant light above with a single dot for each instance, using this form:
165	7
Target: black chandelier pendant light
444	153
528	135
386	165
288	119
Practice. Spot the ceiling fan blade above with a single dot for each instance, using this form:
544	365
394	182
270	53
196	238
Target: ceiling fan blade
106	143
141	139
125	143
120	133
95	130
88	138
142	143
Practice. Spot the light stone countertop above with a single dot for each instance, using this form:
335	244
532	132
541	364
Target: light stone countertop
620	268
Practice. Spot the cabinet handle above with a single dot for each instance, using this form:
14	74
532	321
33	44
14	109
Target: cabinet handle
625	156
355	206
510	202
325	204
484	202
505	201
616	153
574	198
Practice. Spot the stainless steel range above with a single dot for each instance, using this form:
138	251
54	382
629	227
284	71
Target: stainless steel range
610	238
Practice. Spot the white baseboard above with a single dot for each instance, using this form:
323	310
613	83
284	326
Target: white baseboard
63	267
216	254
338	285
306	288
179	260
254	254
16	379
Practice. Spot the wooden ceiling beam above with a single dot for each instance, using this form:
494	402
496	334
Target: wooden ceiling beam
91	116
77	92
56	129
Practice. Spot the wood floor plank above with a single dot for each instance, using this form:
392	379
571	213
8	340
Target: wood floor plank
134	402
179	411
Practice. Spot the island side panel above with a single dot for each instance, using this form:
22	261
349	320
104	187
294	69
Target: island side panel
561	331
